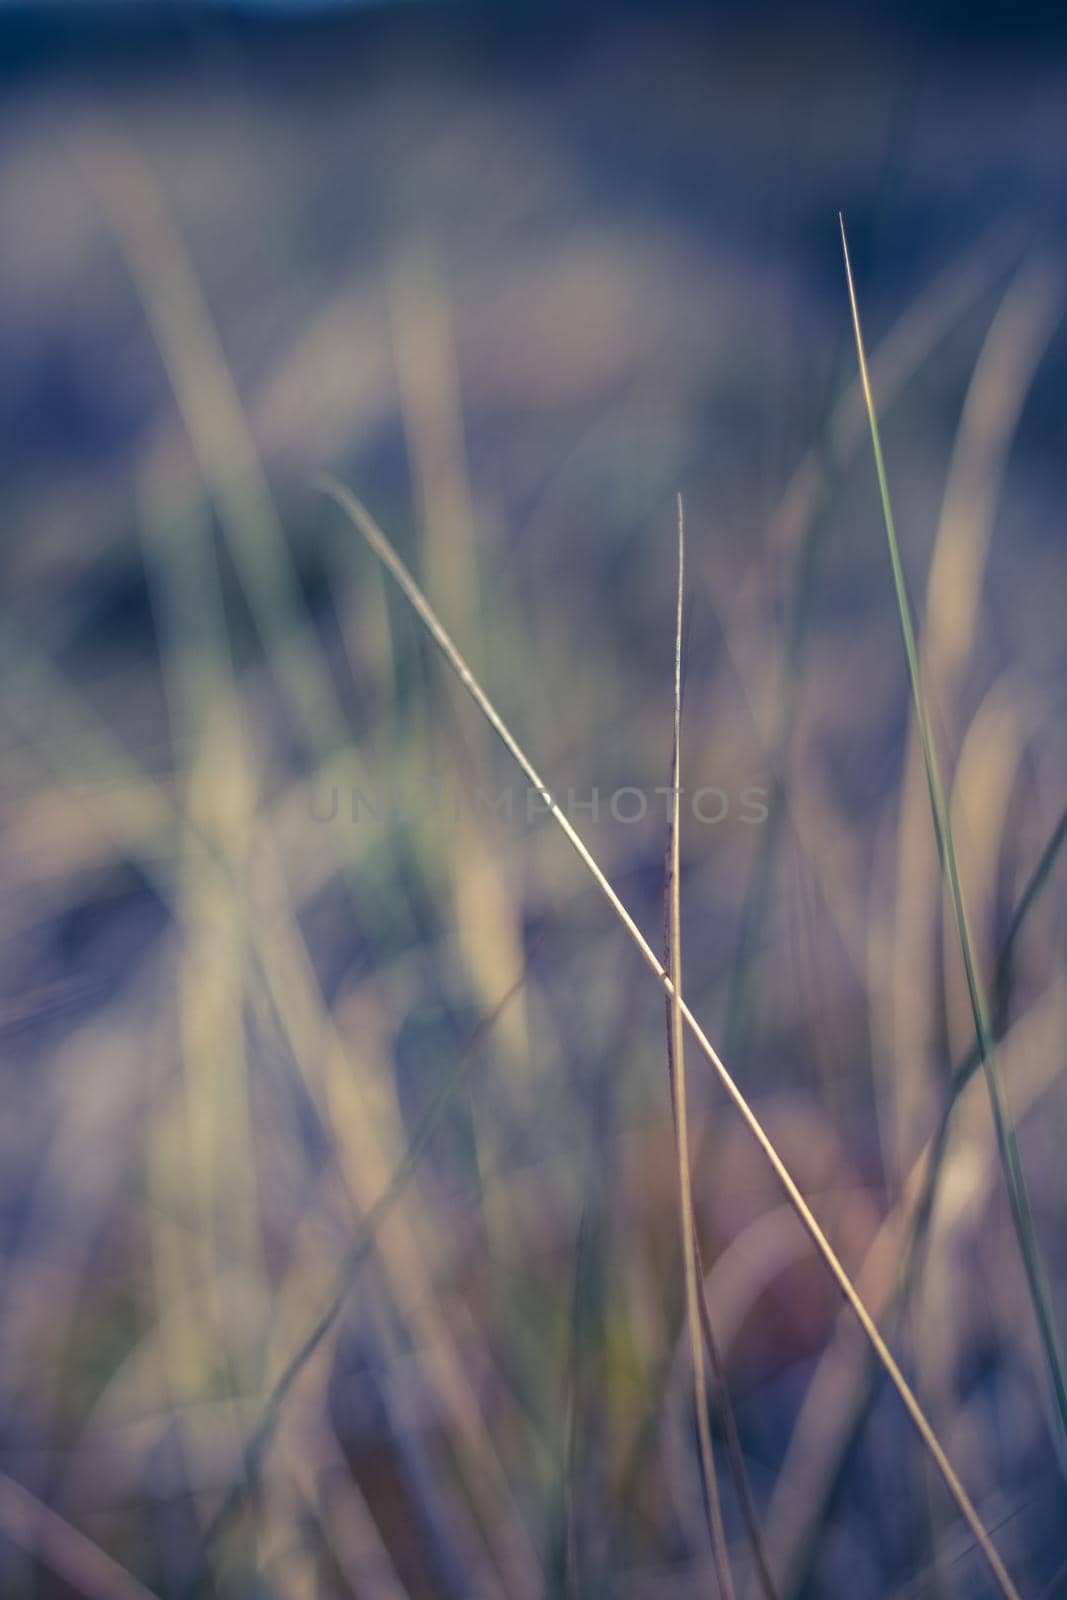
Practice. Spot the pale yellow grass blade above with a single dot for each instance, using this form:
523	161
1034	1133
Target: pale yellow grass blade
676	1059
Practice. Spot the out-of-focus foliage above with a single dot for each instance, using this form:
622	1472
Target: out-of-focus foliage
268	886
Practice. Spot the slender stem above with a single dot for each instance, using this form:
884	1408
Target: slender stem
676	1062
1007	1145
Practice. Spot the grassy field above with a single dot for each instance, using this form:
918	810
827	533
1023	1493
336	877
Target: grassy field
382	1213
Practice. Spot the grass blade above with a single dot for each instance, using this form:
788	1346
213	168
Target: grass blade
676	1064
694	1265
1007	1146
382	548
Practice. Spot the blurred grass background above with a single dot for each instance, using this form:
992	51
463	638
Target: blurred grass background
519	283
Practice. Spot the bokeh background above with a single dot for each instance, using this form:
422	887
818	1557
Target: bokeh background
518	278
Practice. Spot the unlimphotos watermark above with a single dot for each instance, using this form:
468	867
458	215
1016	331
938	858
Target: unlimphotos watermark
708	805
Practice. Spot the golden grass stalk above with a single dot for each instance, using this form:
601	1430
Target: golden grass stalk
676	1063
694	1266
382	548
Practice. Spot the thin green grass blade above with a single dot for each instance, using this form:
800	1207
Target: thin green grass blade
1007	1145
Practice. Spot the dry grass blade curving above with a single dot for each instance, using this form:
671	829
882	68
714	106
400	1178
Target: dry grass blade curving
382	548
